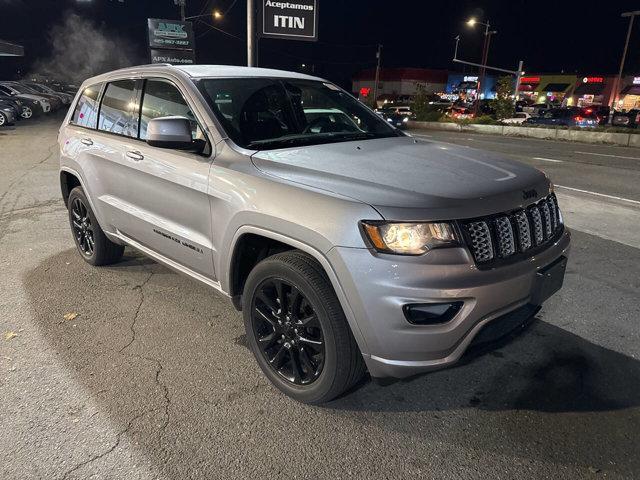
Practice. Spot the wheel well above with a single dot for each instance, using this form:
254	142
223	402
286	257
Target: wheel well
68	181
249	250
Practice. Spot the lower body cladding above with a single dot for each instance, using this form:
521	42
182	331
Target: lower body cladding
392	298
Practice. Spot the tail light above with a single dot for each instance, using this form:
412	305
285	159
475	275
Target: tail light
637	118
578	118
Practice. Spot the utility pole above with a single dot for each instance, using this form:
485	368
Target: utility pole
377	77
616	90
182	5
485	58
250	32
518	78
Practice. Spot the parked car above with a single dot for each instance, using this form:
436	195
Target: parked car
54	101
538	109
600	111
34	104
518	118
566	117
321	236
8	114
15	102
65	98
629	119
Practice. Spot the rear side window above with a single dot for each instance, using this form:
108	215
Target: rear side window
163	99
86	112
117	109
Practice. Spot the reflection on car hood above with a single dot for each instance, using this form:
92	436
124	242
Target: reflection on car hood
409	179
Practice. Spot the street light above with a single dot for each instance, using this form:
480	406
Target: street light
616	91
217	14
485	56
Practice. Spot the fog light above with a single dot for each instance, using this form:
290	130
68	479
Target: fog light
431	313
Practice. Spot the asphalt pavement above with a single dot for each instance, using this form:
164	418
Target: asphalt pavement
134	372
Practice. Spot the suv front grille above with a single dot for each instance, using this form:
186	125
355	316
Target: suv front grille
508	236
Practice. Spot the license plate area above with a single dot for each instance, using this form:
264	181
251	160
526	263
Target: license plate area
548	281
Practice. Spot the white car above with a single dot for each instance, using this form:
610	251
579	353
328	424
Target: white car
518	118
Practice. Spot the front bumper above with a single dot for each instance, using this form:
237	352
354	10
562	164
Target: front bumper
377	286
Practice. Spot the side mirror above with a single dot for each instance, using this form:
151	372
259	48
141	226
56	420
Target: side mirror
171	132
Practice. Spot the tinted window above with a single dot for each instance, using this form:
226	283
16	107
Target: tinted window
116	109
86	112
265	113
163	99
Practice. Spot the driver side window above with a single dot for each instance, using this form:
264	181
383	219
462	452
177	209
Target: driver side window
162	99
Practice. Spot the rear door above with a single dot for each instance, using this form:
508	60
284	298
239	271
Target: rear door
165	205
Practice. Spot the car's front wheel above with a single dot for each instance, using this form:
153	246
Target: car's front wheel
26	112
93	245
3	120
297	330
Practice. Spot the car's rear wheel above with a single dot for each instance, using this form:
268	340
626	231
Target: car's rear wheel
3	119
297	330
26	112
93	245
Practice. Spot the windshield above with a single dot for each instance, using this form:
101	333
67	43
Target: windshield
268	113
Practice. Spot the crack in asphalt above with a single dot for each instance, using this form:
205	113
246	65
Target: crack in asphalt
157	379
110	449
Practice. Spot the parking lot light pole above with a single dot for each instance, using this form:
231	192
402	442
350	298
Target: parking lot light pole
616	91
377	76
485	57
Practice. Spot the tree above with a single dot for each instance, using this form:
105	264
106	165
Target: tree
503	103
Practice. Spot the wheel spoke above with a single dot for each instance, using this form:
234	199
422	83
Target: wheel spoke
309	341
268	302
277	359
308	320
280	296
307	362
268	340
295	367
267	318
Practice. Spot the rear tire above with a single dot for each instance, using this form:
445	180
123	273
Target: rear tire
3	120
289	304
92	244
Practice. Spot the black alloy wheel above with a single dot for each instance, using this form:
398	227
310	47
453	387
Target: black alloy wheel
82	227
288	331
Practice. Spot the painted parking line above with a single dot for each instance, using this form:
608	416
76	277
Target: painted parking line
607	155
421	135
635	202
553	160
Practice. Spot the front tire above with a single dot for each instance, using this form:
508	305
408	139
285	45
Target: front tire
26	113
3	120
297	330
93	245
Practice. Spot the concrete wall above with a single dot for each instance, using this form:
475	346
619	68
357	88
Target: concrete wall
622	139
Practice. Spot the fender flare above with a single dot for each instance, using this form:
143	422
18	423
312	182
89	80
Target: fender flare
319	257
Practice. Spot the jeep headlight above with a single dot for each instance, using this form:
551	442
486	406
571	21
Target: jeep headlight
409	238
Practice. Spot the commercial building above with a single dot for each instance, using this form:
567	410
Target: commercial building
593	90
629	97
465	87
398	84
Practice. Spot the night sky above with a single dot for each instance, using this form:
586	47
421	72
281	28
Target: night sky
569	35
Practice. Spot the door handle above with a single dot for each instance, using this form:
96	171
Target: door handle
133	155
87	141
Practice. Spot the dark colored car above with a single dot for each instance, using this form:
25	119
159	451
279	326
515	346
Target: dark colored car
601	111
54	100
18	104
629	119
65	98
32	105
8	113
565	117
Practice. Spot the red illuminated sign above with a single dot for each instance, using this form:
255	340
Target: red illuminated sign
593	80
364	91
530	80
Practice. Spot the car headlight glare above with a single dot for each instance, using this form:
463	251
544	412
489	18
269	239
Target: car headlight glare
409	238
405	119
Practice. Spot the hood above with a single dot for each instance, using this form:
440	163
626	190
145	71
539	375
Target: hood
410	179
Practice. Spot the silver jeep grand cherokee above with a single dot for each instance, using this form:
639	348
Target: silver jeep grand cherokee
348	245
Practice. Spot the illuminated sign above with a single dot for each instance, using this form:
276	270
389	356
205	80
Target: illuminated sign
364	91
593	80
636	80
530	80
470	79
